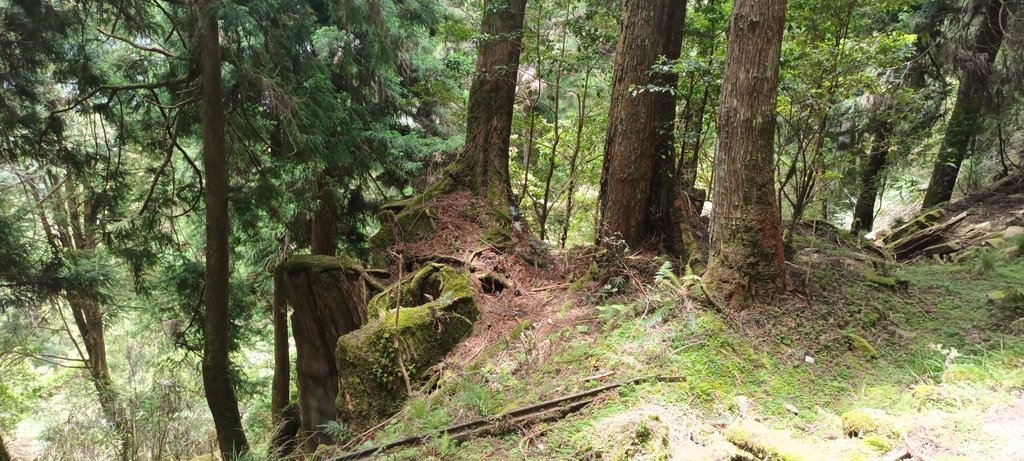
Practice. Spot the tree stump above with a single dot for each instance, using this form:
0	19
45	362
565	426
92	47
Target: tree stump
328	296
416	322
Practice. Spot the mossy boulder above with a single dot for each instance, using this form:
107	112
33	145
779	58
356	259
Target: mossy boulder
378	362
767	444
860	345
864	422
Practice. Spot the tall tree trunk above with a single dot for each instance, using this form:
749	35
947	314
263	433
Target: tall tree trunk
638	182
746	235
570	192
484	162
280	394
971	99
217	380
870	177
325	221
88	316
78	222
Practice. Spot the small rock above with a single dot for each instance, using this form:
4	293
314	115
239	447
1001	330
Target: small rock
1013	232
995	242
743	406
809	360
791	408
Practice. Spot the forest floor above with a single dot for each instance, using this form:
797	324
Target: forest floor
867	358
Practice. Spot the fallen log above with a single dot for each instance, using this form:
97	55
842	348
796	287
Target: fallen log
913	244
494	425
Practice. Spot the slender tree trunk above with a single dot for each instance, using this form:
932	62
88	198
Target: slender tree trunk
88	316
636	192
280	394
870	177
747	262
552	158
325	221
570	192
484	162
971	100
217	380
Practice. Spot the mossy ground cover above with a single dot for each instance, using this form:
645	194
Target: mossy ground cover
944	372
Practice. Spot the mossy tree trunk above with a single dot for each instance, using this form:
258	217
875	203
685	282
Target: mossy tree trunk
870	178
746	234
971	100
638	183
324	227
328	299
217	380
483	167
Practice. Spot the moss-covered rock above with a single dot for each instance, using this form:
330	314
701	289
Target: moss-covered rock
375	361
864	422
860	345
766	444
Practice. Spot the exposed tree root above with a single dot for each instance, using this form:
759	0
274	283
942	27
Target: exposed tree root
494	425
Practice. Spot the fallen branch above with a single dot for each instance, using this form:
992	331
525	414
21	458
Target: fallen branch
493	425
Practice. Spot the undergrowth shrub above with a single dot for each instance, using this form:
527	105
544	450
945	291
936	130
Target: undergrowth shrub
987	260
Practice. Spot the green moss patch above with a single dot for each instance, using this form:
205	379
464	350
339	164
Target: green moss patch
378	362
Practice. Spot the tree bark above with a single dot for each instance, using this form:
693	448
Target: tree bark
328	298
870	177
484	162
746	234
280	393
971	100
217	380
4	455
638	182
325	221
88	316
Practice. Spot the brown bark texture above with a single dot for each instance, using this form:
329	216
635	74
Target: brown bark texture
280	384
324	228
971	100
217	380
870	177
483	166
747	262
328	298
638	183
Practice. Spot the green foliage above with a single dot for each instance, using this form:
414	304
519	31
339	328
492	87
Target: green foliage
987	260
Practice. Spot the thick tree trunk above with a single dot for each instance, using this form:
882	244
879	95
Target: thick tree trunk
217	380
971	100
870	177
279	387
747	262
638	184
328	297
484	162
